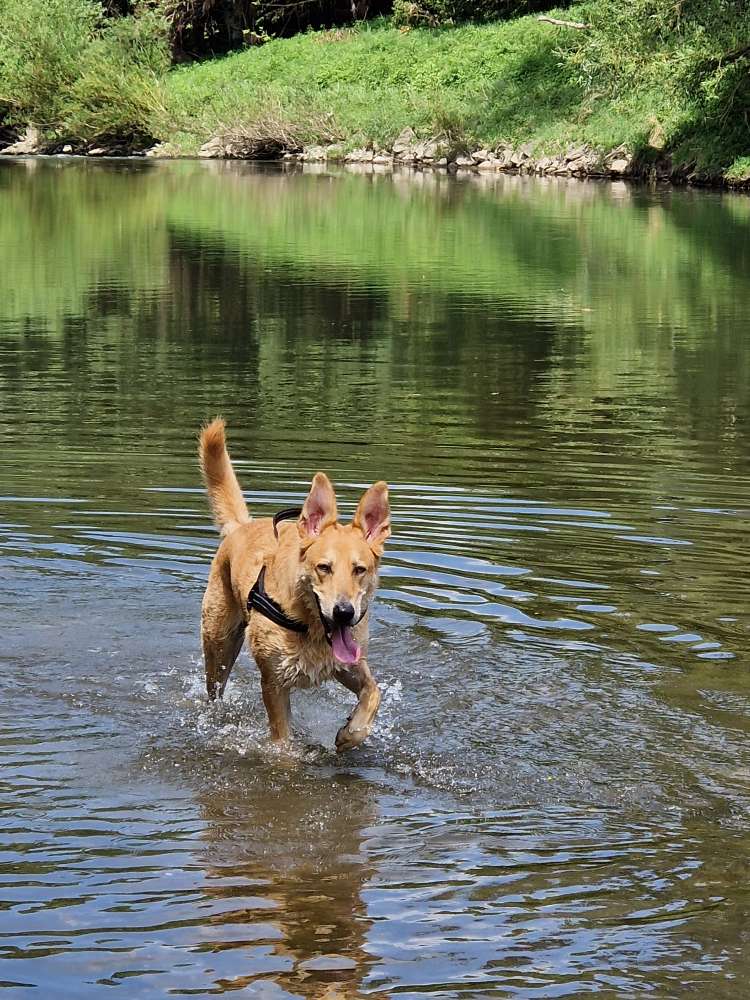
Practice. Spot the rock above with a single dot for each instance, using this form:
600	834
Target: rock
486	165
360	156
97	151
618	153
464	161
575	153
442	162
213	148
481	155
621	166
31	143
405	141
382	160
164	151
427	150
314	154
67	148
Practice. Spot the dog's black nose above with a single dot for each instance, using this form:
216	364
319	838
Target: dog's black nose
343	613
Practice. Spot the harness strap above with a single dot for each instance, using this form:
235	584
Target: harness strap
285	515
258	600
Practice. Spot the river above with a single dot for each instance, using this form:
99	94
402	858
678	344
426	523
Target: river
554	378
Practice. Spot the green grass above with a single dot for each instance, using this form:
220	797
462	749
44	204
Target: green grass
515	81
376	80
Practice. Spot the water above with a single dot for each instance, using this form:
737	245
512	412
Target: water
555	379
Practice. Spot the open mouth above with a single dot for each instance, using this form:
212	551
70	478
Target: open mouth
341	639
345	646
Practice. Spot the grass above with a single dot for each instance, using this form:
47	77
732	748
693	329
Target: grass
646	75
376	80
514	81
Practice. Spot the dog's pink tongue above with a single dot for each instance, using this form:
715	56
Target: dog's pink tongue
345	646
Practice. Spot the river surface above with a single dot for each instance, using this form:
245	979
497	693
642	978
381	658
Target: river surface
554	377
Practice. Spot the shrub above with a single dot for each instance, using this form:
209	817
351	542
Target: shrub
40	50
68	69
691	58
118	92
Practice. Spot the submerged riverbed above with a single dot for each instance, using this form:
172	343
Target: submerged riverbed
554	377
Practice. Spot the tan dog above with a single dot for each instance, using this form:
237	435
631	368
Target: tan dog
312	587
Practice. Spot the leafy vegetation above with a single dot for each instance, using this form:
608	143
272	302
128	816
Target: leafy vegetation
478	82
655	76
76	74
683	67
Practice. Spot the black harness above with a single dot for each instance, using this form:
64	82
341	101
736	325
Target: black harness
258	600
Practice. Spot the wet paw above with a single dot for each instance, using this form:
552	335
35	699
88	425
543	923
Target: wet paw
348	737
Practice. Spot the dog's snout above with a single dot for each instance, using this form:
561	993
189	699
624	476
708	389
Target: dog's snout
343	613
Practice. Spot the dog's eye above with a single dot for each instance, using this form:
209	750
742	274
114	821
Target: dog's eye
323	568
360	570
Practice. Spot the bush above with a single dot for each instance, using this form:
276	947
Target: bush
78	75
117	94
692	59
40	51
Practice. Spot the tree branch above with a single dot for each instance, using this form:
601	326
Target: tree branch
733	56
578	25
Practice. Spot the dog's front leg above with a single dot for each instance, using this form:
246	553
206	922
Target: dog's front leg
359	724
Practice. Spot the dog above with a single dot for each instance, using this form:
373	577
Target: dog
301	593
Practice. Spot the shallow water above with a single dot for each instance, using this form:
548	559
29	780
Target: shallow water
555	379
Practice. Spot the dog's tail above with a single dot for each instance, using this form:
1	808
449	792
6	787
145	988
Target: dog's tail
224	493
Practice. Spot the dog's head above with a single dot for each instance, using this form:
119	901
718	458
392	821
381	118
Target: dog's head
339	563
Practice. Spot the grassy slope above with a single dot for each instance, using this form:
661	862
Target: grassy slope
480	83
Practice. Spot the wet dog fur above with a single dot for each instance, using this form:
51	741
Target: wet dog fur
321	572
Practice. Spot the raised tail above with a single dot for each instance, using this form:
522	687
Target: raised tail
224	493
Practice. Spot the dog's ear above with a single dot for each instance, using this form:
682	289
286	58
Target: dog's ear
373	517
320	508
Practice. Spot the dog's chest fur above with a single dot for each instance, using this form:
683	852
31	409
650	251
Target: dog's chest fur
293	662
306	668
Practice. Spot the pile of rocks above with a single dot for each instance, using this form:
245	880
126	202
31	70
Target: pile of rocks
439	152
576	161
33	143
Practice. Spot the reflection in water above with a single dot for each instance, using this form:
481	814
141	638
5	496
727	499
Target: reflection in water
300	843
555	379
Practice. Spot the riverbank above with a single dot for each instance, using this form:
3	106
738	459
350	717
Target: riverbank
521	95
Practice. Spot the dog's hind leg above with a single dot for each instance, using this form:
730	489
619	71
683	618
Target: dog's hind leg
222	633
358	726
219	656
